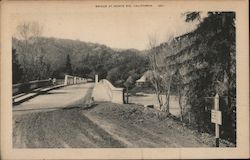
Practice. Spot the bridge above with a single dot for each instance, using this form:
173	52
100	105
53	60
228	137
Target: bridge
51	94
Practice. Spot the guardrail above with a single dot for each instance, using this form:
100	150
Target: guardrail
28	86
69	80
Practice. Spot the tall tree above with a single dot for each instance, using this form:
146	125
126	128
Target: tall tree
30	51
68	67
16	68
217	33
215	41
154	67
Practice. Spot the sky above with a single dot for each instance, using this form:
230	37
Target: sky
115	27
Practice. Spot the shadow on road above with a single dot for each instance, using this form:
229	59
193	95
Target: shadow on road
51	93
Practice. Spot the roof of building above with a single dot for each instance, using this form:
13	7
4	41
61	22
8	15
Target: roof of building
146	76
142	79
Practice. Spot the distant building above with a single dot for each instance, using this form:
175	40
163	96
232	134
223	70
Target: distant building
141	81
144	78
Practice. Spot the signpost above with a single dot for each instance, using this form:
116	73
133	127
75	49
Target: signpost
216	118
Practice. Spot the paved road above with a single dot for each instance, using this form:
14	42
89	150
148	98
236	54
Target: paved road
56	99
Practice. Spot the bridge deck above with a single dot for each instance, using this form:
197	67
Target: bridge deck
54	99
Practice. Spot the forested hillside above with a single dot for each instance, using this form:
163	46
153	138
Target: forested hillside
41	58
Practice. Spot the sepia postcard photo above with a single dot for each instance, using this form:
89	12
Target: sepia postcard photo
124	79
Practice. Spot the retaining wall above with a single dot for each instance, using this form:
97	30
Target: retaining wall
105	91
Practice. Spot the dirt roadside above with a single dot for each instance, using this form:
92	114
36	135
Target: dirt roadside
104	125
137	126
59	129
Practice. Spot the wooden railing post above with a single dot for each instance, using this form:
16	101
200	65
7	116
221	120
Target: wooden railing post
66	80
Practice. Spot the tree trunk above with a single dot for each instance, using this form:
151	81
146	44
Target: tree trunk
229	76
157	91
166	109
168	95
180	105
159	98
127	94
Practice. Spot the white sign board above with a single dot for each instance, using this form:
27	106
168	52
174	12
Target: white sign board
216	117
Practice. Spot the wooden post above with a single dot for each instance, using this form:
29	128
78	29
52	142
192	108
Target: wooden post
96	78
66	80
75	82
217	127
127	94
123	95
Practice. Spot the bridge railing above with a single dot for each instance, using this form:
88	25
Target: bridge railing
69	80
28	86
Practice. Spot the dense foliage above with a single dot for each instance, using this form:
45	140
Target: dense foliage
200	64
51	57
215	41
